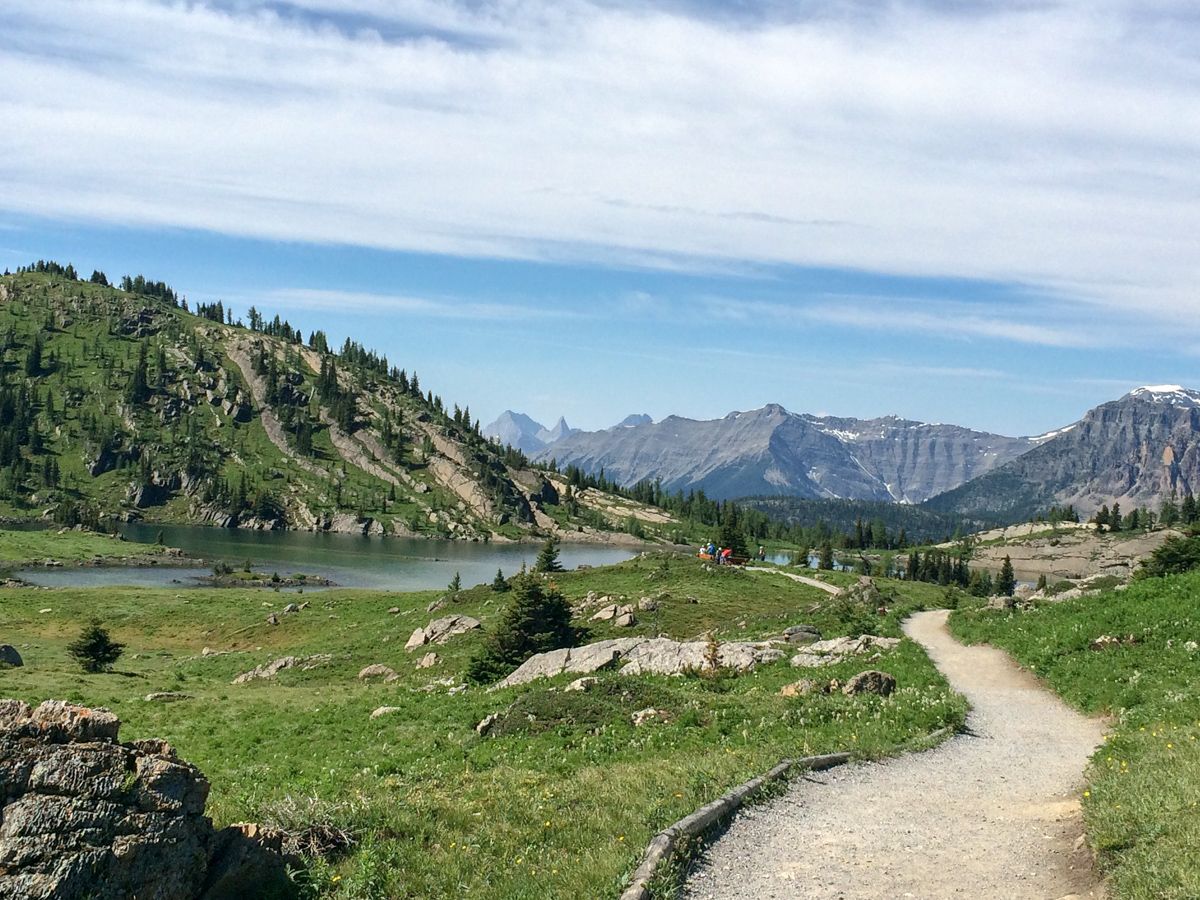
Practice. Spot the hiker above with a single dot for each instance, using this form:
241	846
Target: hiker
762	554
726	556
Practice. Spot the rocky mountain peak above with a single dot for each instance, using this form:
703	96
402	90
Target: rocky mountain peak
1173	394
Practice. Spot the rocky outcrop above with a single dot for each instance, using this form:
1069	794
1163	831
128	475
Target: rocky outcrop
10	657
824	653
637	656
441	630
271	669
377	670
84	816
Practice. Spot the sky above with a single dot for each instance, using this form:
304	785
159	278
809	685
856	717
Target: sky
983	213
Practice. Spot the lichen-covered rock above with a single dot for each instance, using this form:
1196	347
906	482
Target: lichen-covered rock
870	682
83	816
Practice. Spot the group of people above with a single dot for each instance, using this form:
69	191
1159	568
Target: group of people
723	556
720	555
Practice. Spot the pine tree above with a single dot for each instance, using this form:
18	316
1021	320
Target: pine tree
139	385
535	621
1114	517
1188	511
1041	582
547	559
1006	582
499	585
94	649
455	584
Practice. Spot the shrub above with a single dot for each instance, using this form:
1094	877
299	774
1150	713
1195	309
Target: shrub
1176	556
94	649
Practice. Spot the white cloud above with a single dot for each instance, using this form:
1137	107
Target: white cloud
1051	145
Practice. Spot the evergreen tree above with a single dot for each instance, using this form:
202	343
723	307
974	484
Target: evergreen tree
826	560
499	585
139	385
1188	511
913	570
1041	582
1114	517
33	359
547	559
535	621
94	649
455	584
1006	582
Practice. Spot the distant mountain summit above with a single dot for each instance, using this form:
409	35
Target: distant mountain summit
635	419
773	451
1134	450
527	435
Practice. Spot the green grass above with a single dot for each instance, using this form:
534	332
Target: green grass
19	548
557	805
1144	784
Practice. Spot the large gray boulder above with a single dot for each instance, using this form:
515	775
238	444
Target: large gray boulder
441	630
83	816
637	656
824	653
10	657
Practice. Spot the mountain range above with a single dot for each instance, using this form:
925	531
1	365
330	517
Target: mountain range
1134	450
531	437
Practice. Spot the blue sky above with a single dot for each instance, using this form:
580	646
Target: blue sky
977	213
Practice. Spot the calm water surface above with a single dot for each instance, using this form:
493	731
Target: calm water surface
391	563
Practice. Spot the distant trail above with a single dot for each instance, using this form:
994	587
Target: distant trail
992	813
811	582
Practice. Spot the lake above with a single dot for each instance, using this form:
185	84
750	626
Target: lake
387	563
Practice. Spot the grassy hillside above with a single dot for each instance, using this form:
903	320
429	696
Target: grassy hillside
123	403
1144	784
558	803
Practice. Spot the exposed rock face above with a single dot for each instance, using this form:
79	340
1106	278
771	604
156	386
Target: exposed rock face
10	657
1134	450
84	816
656	656
772	451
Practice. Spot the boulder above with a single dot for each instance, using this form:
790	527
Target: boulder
441	630
625	620
83	816
378	670
486	723
824	653
803	687
647	604
428	661
582	684
10	657
384	711
650	714
656	656
271	669
870	682
801	634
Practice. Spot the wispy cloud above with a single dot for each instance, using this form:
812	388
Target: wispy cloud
1047	144
400	305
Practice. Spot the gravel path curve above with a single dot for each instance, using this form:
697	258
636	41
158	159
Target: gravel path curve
811	582
991	813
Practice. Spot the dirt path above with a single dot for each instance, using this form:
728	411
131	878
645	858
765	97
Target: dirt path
992	813
811	582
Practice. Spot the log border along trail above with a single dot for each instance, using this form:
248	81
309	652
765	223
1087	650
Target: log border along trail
992	813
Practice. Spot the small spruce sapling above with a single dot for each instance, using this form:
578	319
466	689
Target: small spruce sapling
94	649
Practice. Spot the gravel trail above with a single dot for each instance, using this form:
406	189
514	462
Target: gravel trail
991	813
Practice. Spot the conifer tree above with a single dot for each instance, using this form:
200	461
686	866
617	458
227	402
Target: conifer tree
826	559
1006	582
537	619
547	559
94	649
499	585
